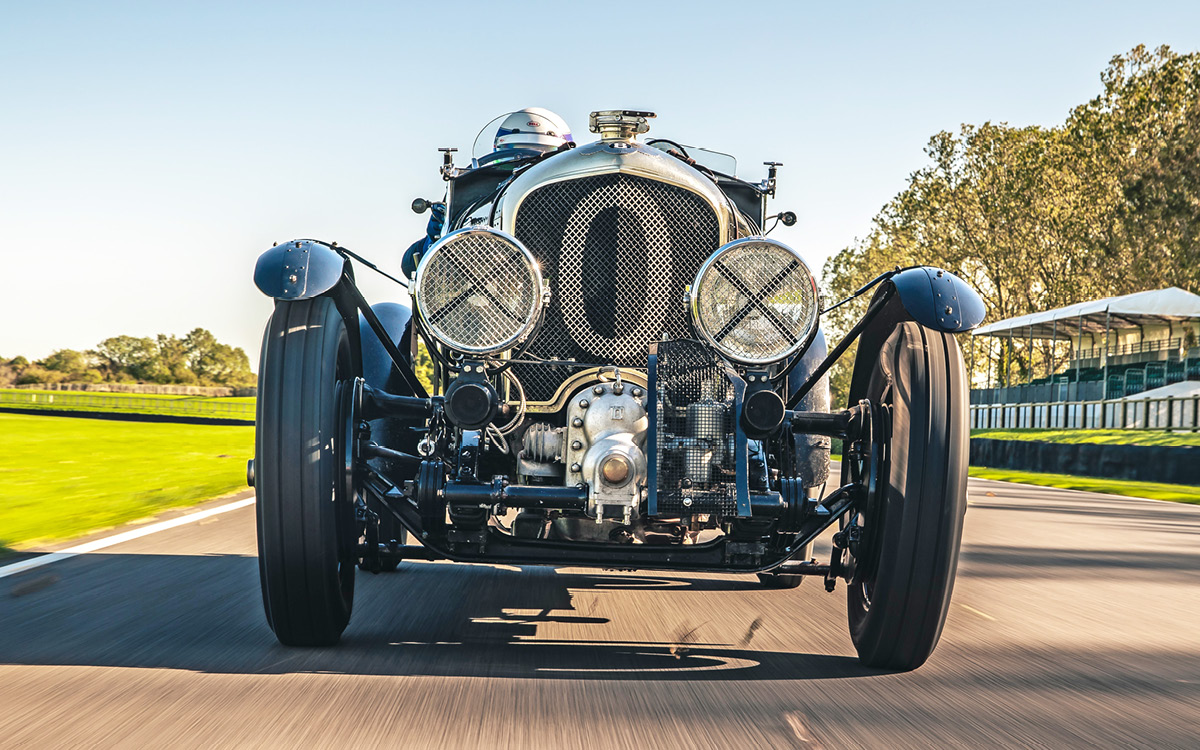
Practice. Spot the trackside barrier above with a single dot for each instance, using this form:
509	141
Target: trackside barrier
64	401
1114	414
1141	463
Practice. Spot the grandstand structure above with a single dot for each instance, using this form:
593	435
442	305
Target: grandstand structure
1142	345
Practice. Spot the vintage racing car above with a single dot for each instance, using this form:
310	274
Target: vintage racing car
627	374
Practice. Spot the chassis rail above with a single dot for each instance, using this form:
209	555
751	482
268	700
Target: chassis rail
488	544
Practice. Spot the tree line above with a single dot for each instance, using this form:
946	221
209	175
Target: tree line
1039	217
196	359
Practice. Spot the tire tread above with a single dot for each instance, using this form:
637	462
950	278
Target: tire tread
304	597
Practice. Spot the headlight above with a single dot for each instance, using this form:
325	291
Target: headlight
755	301
478	291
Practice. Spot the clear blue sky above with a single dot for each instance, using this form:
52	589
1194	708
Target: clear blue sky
150	151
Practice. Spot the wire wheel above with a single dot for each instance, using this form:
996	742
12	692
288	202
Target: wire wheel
907	548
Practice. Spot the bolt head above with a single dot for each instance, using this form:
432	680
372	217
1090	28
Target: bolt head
637	392
576	468
576	445
598	390
577	422
584	403
949	310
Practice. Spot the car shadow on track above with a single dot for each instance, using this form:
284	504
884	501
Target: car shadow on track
204	613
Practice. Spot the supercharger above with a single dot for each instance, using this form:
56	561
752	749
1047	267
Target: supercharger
606	435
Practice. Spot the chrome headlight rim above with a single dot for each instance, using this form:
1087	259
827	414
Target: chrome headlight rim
423	313
694	301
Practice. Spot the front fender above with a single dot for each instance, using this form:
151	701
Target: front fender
299	269
938	299
933	297
378	369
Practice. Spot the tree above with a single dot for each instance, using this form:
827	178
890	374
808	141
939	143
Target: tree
36	374
1148	117
125	358
171	361
198	358
1034	218
67	361
423	367
214	362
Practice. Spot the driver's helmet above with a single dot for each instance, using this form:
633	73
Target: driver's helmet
533	129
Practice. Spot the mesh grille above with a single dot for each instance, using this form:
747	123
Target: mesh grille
478	291
695	426
756	301
618	252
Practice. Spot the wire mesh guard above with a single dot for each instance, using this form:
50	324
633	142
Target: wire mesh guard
617	251
479	292
694	440
756	301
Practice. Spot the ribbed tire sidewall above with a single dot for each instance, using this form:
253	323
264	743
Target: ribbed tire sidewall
921	526
307	602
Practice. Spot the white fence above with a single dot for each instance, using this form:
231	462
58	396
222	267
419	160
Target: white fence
1115	414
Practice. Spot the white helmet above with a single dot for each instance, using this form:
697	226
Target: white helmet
532	128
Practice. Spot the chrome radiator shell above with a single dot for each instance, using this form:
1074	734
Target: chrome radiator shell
619	229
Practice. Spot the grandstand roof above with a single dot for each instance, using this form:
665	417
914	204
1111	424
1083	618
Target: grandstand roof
1154	307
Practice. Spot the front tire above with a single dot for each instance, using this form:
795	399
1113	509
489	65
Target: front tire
307	580
897	606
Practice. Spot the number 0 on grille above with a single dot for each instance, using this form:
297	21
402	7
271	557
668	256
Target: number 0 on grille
478	291
755	301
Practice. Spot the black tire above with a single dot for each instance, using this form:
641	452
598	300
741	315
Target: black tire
898	604
307	583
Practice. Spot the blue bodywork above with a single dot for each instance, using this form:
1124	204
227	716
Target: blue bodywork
433	230
299	269
377	365
938	299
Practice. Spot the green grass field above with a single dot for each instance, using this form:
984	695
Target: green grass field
1109	437
61	477
1178	493
1154	490
230	407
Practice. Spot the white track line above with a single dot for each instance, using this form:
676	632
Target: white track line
109	541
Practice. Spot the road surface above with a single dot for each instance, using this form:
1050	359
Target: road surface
1075	623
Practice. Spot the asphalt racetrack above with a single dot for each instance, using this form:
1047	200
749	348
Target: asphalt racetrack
1075	623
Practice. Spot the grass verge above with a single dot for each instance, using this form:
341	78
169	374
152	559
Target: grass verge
1106	437
1174	492
119	395
62	477
228	407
